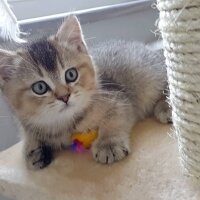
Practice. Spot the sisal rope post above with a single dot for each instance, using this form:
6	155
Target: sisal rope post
179	24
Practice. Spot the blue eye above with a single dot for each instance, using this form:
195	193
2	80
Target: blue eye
71	75
40	87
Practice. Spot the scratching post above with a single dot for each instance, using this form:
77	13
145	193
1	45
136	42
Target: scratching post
179	24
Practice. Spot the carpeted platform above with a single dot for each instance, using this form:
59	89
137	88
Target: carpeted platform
151	172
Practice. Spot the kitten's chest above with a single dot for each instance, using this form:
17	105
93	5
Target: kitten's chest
91	120
88	123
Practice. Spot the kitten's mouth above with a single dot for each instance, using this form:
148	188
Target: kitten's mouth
64	107
65	99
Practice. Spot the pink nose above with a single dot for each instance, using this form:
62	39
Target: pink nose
64	98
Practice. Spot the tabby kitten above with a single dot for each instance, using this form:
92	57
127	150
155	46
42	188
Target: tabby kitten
57	86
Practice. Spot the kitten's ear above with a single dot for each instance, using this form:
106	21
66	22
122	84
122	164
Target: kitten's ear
70	34
7	67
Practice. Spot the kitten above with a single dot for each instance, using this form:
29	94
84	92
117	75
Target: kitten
57	86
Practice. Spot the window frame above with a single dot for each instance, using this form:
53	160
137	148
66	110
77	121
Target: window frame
23	9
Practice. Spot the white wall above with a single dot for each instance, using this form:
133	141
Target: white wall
26	9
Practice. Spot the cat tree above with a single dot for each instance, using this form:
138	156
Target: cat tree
179	24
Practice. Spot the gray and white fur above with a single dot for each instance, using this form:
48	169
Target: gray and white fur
118	84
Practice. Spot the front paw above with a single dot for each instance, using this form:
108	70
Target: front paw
39	158
107	152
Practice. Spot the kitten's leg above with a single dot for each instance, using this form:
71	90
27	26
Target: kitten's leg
38	155
162	112
113	143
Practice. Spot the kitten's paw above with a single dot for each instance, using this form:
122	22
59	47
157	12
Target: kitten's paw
163	112
108	152
39	158
164	117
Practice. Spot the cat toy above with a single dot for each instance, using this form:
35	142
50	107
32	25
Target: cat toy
9	27
82	141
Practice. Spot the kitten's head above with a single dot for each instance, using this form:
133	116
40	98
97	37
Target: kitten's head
52	80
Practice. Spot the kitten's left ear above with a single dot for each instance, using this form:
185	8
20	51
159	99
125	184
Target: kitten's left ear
7	67
70	34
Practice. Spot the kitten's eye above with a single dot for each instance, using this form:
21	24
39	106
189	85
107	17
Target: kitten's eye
40	87
71	75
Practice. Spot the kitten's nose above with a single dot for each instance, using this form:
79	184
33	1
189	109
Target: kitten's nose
64	98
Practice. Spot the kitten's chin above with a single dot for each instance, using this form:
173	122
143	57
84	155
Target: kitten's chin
64	107
61	115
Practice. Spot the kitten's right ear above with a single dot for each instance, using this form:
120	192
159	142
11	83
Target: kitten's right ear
7	65
70	34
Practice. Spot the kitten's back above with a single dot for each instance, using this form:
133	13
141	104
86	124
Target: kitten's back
139	70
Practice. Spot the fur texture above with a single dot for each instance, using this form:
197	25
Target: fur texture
118	83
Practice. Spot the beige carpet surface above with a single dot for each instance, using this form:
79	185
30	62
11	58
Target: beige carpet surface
151	172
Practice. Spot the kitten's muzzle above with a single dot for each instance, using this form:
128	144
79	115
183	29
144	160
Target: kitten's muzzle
64	98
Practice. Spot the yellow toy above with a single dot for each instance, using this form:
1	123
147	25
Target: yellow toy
82	141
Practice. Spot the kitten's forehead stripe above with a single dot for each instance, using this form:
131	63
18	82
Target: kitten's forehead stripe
43	53
60	61
39	71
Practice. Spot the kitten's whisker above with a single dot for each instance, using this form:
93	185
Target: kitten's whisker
90	38
155	64
52	106
111	101
113	84
10	65
50	103
111	92
100	74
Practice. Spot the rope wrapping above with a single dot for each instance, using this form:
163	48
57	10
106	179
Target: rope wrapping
179	24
